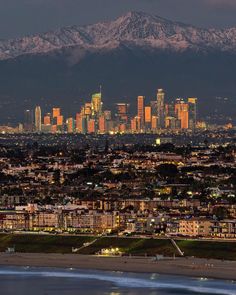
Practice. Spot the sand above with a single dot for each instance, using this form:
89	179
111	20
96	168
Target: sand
180	266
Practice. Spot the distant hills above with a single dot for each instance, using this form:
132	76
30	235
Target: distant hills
134	54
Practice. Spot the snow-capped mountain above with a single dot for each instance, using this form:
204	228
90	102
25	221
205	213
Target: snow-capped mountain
137	28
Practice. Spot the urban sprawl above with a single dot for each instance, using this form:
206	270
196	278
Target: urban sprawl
98	186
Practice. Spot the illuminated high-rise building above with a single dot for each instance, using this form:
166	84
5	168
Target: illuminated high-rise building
161	108
140	110
171	123
80	123
153	105
122	112
192	106
28	121
136	124
182	113
170	110
96	104
148	114
102	124
60	120
38	119
91	126
47	119
56	112
88	109
70	125
57	120
154	123
133	125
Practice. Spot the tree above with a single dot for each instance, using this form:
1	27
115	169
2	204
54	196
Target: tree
56	176
221	213
167	170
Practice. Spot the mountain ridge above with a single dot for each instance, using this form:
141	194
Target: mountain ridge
139	28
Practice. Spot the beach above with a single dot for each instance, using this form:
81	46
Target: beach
194	267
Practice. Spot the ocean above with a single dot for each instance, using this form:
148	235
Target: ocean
51	281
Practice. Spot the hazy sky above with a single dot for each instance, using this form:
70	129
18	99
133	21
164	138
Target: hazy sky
21	17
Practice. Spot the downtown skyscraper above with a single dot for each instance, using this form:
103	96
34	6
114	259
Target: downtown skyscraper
38	119
160	108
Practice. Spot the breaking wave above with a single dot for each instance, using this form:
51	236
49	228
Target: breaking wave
121	281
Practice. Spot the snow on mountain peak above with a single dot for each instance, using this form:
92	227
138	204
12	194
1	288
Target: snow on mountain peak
138	28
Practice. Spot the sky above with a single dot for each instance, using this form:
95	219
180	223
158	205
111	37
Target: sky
24	17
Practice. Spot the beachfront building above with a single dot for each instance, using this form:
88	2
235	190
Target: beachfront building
195	227
224	229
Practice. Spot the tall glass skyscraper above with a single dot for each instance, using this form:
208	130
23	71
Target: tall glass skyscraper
192	105
161	108
38	119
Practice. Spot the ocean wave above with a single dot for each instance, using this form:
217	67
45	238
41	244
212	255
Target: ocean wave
121	281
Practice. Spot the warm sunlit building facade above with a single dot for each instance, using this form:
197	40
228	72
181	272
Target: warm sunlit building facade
140	111
38	119
182	113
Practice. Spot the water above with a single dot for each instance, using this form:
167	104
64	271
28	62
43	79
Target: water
50	281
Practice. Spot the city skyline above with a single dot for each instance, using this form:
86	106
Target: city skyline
94	117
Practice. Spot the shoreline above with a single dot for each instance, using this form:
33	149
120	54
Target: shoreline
190	267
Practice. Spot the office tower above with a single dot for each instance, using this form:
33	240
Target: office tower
192	106
161	108
170	116
140	113
154	123
171	123
121	113
182	113
38	119
107	115
170	110
47	119
96	104
153	105
70	125
56	112
28	121
60	123
91	126
80	123
133	125
102	124
136	124
109	122
56	120
46	126
87	109
148	114
60	120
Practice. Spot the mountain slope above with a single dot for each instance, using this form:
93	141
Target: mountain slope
136	27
